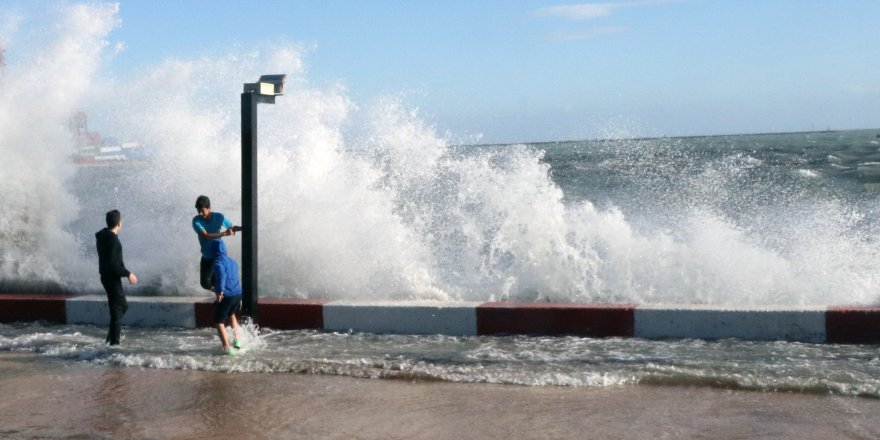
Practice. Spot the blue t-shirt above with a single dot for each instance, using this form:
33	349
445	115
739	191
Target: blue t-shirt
225	276
212	226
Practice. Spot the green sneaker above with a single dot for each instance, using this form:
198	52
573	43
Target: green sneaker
236	343
231	352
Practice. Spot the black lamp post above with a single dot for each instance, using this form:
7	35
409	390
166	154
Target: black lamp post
263	91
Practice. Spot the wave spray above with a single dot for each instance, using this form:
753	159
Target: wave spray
367	200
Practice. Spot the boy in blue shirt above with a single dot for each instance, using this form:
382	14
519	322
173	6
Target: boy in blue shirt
209	226
227	288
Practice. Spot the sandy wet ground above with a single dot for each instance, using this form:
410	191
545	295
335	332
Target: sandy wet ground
58	400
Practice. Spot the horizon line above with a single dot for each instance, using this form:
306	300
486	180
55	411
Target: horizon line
647	138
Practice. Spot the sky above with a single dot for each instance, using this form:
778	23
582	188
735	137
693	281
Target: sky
527	70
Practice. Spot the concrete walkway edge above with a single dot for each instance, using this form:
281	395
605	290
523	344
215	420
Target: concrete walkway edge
817	325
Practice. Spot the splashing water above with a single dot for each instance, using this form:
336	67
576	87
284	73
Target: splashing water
33	145
368	201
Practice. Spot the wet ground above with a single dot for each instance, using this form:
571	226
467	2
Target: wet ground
52	399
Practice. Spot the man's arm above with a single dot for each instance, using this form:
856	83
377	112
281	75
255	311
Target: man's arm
203	233
232	229
116	260
212	235
118	265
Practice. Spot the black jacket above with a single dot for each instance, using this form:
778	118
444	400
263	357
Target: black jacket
110	263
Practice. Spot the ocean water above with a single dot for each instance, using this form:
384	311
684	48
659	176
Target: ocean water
844	370
785	219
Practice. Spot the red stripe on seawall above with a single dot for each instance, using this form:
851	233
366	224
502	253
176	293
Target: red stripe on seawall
33	307
204	311
290	314
597	320
852	325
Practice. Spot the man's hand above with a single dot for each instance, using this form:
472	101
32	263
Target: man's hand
220	297
132	278
230	231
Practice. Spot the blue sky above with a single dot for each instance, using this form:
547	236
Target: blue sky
547	70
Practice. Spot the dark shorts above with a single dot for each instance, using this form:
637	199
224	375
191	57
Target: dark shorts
226	308
206	269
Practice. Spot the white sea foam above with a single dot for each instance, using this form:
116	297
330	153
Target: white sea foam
752	161
809	173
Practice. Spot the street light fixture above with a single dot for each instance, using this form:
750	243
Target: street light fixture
263	91
267	88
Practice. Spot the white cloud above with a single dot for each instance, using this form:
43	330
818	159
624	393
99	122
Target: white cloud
586	11
586	34
578	12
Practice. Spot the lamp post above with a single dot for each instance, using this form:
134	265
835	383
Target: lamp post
263	91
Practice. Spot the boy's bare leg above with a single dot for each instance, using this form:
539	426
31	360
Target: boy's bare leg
221	331
234	326
235	342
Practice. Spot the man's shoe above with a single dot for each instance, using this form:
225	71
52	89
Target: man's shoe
236	343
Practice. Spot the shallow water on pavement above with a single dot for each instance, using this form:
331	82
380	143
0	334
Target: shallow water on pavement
847	370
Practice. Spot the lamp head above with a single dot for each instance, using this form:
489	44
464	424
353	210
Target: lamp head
272	84
267	88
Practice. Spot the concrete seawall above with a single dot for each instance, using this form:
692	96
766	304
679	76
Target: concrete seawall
818	325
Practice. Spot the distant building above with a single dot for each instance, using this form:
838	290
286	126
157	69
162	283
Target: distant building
93	149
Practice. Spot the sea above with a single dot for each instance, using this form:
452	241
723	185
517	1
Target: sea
745	220
769	219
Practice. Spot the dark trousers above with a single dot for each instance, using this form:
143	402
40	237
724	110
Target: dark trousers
206	269
118	306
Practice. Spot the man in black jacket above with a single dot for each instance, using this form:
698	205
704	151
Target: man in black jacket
112	268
